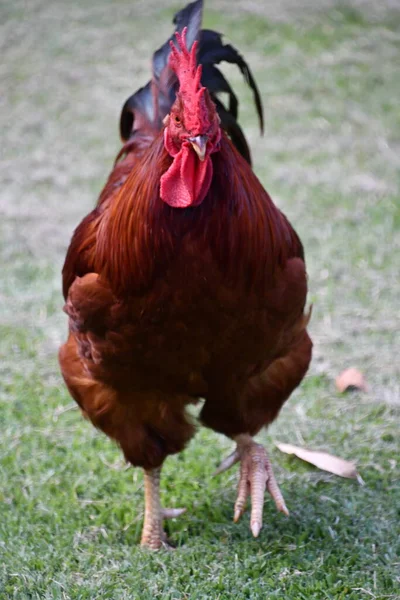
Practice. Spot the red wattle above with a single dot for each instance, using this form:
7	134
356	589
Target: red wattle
188	179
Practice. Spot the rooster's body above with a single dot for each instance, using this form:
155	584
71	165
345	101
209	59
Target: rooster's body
179	289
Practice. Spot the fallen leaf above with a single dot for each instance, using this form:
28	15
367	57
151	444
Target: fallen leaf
322	460
351	379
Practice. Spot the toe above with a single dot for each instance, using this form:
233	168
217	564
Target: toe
258	482
273	489
228	462
243	491
172	513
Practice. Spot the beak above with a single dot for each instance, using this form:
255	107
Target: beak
199	144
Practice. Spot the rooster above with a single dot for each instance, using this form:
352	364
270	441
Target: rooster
186	281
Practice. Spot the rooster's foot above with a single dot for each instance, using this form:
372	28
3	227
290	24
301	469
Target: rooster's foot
256	474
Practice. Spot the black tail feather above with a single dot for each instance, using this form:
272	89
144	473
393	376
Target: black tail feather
162	92
150	104
233	129
190	17
216	84
137	111
213	51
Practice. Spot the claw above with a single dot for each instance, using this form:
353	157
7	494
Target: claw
237	515
255	528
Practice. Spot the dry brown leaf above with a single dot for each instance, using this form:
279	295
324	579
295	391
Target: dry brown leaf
351	379
322	460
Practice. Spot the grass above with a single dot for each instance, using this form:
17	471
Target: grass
71	513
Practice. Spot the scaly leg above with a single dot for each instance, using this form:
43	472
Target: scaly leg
153	534
256	474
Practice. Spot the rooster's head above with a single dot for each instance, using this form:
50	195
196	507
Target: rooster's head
192	132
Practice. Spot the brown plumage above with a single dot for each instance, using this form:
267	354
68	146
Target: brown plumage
167	305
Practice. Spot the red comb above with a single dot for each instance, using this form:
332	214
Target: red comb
184	64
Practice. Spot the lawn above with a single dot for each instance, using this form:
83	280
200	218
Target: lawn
71	510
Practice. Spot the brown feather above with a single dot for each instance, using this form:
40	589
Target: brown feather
140	234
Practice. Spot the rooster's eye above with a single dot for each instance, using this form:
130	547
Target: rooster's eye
177	120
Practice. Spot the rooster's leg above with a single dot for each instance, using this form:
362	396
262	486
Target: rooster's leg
153	534
256	474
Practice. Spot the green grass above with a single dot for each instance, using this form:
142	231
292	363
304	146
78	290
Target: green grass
71	510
